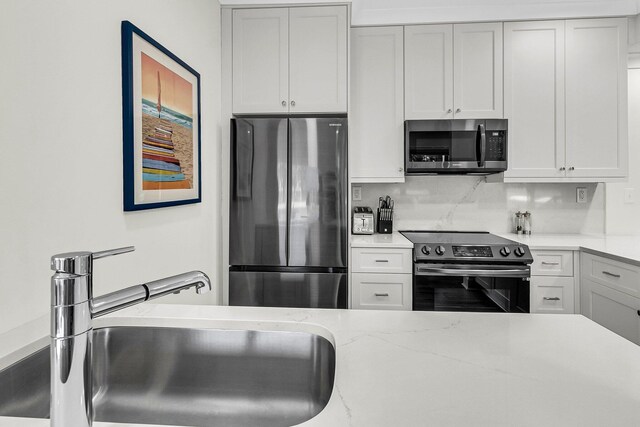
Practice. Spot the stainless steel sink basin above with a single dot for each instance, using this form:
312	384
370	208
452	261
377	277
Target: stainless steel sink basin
191	377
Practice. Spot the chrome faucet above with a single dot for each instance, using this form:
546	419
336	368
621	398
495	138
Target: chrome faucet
72	309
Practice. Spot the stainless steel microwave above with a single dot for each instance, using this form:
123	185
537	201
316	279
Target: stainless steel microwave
455	146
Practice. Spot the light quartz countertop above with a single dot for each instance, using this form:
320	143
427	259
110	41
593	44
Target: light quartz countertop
622	248
393	240
437	368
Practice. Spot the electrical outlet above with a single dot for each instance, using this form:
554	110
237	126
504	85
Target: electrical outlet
356	193
581	195
628	196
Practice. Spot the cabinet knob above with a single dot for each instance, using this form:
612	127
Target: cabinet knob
449	111
458	110
284	103
562	168
293	103
572	168
400	169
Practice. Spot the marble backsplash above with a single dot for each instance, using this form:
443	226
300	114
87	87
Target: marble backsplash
470	203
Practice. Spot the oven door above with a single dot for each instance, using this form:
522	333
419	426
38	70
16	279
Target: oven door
471	287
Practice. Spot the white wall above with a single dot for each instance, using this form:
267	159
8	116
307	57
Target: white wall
622	217
61	148
469	203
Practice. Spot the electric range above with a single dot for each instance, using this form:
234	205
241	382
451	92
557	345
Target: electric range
469	271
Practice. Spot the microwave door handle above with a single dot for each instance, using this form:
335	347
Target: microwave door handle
482	141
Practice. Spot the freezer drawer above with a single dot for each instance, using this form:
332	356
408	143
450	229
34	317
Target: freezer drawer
287	289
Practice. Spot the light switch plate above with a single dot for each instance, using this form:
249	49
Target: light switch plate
581	195
356	193
628	196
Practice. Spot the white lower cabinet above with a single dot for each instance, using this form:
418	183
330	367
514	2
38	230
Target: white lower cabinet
381	291
612	309
610	294
553	282
381	278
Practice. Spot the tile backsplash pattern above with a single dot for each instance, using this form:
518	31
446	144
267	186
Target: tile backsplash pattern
470	203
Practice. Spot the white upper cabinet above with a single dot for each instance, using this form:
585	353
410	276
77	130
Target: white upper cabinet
596	97
453	71
290	60
318	59
376	117
260	60
428	72
477	71
534	98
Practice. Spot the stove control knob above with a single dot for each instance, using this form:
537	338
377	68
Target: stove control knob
425	250
519	251
440	250
505	251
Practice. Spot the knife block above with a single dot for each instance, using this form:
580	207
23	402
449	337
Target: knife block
384	225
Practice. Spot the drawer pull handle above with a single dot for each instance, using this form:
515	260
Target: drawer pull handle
551	299
381	294
550	263
611	274
382	260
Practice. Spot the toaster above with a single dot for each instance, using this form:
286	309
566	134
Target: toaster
362	220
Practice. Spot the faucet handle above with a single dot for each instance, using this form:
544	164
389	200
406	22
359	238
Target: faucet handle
80	262
112	252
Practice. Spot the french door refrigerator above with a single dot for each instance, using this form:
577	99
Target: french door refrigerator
288	212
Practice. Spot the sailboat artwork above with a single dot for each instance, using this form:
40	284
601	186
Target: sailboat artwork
167	128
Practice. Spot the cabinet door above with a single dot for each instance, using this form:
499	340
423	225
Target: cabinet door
318	59
614	310
534	98
428	72
260	60
596	97
376	120
477	71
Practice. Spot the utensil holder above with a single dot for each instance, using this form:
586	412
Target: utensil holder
384	225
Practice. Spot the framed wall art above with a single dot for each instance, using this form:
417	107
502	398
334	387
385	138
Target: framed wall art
161	125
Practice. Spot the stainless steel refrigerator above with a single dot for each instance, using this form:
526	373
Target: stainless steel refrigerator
288	212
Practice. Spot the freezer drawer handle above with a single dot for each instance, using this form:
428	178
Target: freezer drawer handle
617	276
381	294
382	260
550	263
551	299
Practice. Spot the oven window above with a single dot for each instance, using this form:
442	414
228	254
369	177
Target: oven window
479	294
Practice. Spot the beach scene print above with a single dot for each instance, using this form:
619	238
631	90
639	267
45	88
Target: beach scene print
167	128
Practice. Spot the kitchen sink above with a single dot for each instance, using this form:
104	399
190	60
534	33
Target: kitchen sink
189	377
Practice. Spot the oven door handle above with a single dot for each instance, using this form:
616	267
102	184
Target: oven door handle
523	272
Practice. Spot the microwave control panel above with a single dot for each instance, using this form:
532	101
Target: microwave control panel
495	144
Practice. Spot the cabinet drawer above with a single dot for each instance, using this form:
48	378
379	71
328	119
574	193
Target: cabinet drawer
552	263
552	295
614	310
380	260
614	274
381	291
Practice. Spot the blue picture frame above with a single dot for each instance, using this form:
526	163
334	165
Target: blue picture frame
157	176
